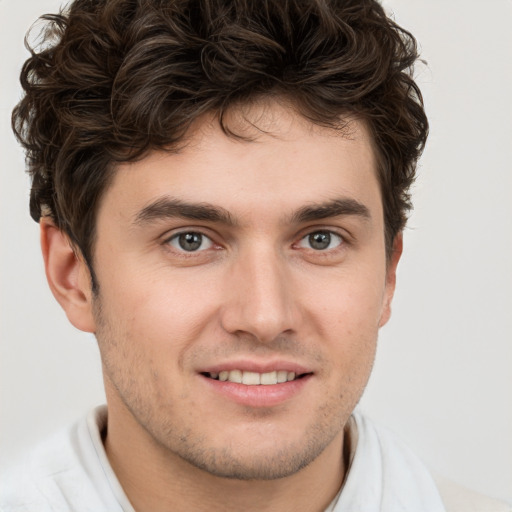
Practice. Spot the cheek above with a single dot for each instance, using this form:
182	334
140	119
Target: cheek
350	301
160	310
347	315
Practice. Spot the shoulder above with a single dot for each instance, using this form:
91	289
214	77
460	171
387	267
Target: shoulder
382	458
58	472
457	498
385	475
31	483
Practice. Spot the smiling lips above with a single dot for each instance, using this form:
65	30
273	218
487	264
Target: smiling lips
257	384
254	378
257	389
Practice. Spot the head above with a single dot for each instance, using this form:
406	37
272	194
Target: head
113	80
141	111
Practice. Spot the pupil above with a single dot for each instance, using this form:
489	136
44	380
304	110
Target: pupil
190	241
320	240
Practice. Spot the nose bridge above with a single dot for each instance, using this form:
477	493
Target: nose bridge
261	299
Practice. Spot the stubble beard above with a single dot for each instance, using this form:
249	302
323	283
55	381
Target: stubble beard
251	462
179	441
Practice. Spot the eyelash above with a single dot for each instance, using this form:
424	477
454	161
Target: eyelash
341	241
203	238
324	232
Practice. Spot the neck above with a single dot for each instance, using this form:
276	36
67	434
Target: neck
157	480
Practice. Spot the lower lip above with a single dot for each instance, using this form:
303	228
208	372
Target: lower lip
258	396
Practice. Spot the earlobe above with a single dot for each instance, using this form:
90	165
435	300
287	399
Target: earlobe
391	279
68	276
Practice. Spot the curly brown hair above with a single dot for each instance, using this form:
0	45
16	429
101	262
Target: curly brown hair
116	78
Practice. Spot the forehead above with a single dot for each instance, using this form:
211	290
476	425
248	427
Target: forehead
277	161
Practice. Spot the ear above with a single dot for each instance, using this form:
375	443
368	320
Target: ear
68	276
391	278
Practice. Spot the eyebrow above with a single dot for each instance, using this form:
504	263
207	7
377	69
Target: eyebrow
168	208
334	208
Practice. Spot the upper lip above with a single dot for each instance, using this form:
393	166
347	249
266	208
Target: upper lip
257	366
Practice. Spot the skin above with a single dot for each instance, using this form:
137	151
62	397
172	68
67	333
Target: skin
257	292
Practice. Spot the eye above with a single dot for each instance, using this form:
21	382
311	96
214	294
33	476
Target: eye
190	241
321	241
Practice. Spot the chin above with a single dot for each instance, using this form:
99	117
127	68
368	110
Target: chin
250	457
254	466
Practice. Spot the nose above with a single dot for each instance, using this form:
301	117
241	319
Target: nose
260	299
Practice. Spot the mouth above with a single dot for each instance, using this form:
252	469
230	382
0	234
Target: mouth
254	378
257	384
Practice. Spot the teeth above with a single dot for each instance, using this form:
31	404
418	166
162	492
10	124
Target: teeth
235	376
269	378
282	376
251	378
254	378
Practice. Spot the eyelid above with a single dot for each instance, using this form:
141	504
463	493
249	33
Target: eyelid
342	232
173	234
333	233
206	241
181	230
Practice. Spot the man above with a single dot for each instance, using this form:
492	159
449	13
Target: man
221	189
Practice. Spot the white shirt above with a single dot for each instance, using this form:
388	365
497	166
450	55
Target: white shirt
71	472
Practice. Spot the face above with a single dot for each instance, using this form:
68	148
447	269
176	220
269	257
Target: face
241	289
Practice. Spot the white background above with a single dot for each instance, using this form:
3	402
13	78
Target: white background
443	374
